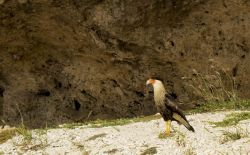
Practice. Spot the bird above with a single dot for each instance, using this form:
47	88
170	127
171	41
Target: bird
167	107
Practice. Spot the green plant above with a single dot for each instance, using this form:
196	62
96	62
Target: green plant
232	136
26	134
232	119
72	125
23	131
215	87
219	106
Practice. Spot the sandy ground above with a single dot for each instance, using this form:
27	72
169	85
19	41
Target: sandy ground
136	138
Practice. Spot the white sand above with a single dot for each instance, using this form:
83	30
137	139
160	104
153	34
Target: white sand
133	139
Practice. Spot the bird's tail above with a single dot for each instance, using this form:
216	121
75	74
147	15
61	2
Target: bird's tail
183	121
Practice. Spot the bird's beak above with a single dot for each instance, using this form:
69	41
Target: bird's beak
148	82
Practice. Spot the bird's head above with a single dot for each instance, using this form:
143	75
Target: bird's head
150	81
159	90
153	82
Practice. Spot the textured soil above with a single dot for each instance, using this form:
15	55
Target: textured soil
72	60
138	138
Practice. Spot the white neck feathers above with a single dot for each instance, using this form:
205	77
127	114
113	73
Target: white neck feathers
159	92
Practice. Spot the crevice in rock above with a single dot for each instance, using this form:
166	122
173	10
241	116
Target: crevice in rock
77	105
58	84
43	92
1	100
172	43
235	70
1	91
139	94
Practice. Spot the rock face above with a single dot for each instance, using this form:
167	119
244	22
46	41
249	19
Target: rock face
73	60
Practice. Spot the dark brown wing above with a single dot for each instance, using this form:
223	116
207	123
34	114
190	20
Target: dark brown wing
177	113
172	96
171	103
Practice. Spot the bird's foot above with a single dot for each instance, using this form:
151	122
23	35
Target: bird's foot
168	133
164	135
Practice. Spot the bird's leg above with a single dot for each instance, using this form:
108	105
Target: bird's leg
168	126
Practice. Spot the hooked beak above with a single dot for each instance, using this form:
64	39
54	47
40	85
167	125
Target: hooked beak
150	81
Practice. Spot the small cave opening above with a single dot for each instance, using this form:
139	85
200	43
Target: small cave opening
235	70
77	105
43	92
1	91
139	94
172	43
83	92
1	100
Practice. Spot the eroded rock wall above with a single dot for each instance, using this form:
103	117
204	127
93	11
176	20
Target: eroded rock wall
74	60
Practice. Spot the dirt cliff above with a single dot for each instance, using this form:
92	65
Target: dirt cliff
73	60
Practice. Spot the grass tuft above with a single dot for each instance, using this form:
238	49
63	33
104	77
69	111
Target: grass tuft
218	90
72	125
232	119
216	86
221	106
149	151
232	136
27	135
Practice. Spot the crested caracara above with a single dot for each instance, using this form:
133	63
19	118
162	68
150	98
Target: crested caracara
166	107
